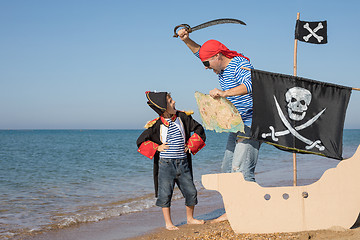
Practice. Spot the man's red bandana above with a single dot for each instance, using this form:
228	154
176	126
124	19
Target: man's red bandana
213	47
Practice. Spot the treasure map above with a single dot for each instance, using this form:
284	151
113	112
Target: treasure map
218	114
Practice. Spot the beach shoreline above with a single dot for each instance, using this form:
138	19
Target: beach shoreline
135	224
87	199
148	224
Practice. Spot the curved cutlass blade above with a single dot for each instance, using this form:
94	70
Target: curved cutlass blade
208	24
217	21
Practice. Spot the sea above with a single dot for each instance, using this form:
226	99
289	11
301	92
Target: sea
51	179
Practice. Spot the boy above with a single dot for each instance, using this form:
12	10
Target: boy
168	142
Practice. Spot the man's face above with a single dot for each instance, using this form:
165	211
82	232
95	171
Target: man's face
213	63
170	105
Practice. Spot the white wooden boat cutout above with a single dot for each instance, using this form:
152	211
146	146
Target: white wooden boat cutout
334	200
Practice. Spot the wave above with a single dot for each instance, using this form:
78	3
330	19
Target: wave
85	214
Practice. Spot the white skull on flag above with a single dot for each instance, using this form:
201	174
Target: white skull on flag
298	100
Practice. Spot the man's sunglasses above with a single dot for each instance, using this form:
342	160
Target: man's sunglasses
206	63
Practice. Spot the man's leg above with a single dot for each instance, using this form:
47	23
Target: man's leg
245	156
229	152
226	165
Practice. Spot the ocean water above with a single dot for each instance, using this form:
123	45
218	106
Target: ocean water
53	179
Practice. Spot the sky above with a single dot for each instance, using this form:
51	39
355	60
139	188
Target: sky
86	64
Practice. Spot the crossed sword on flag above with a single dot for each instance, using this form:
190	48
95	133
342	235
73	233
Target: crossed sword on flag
294	131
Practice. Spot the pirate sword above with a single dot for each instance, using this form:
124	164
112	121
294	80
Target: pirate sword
297	128
207	24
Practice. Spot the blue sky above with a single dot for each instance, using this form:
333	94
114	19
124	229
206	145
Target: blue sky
85	64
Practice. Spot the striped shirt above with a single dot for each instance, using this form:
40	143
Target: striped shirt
175	141
234	76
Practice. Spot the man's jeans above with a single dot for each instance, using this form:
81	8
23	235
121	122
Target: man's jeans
177	171
241	155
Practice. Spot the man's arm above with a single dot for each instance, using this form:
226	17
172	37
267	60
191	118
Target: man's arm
184	36
242	77
239	90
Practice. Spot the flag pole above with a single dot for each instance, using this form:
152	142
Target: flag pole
295	73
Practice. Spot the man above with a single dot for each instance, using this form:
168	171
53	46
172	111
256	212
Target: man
241	153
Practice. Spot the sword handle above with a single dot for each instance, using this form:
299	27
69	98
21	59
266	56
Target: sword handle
186	26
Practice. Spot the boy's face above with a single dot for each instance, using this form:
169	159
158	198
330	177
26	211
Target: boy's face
170	105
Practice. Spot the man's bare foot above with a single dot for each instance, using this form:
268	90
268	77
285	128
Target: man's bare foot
195	221
219	219
172	227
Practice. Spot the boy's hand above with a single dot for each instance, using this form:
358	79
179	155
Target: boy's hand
163	147
187	149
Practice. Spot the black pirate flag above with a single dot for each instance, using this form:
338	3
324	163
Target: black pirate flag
311	32
298	114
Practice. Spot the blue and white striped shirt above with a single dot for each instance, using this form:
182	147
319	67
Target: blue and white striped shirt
175	141
234	76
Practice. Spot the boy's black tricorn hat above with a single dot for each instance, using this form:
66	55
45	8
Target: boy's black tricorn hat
157	101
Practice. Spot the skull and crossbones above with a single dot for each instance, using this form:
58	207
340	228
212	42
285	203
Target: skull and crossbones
313	32
298	100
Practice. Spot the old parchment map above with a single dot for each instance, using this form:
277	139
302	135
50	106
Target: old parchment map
218	114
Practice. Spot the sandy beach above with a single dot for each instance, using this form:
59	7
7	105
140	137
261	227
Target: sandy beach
148	224
223	231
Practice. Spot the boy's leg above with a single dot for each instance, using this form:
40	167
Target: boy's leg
186	185
220	219
167	216
165	190
190	216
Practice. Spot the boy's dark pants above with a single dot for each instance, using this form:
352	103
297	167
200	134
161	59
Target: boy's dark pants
177	171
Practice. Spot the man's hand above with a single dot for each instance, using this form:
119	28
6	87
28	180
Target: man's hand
215	93
163	147
236	91
183	34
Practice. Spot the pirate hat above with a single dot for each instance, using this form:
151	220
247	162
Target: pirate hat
157	101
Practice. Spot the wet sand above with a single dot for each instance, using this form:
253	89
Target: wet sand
136	224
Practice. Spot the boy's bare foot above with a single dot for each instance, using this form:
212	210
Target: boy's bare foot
195	221
172	227
219	219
